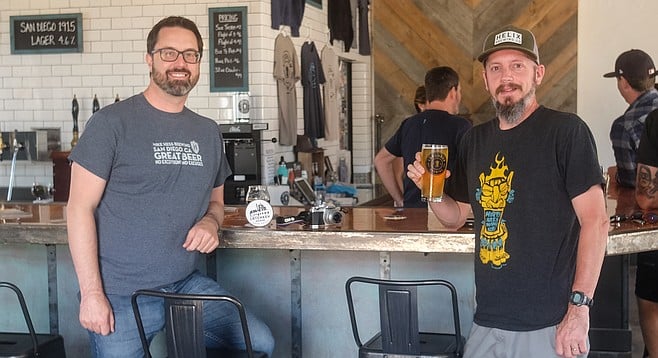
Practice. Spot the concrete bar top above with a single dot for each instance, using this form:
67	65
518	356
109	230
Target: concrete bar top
362	229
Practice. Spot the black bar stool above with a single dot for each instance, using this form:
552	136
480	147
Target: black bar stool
184	325
31	344
399	334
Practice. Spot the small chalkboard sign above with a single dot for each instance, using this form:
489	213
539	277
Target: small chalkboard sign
229	70
55	33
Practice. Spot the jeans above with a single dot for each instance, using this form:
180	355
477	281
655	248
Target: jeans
222	327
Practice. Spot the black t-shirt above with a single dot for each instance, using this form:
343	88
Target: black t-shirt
520	183
647	153
429	127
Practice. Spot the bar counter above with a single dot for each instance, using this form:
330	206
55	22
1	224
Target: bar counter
362	229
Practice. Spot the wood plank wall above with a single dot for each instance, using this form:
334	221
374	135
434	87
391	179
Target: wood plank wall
411	36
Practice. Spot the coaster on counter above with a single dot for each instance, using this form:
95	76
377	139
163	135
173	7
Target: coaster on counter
259	213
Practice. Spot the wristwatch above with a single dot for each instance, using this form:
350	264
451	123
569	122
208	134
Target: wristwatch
578	298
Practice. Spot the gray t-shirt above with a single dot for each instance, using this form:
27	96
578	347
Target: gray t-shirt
160	169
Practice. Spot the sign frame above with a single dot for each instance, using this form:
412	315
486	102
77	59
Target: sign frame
212	23
37	50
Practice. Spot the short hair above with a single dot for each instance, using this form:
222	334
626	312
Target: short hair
439	81
419	97
641	84
173	21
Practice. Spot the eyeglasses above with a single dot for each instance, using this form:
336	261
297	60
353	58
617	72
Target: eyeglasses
169	54
637	217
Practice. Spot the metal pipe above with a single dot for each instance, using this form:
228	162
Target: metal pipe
15	147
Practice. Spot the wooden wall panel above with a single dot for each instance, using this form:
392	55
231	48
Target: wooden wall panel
410	36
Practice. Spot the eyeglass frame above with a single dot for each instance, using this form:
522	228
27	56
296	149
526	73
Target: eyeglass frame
198	54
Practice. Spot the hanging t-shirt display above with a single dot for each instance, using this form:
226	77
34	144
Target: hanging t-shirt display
286	72
330	91
364	34
288	12
312	78
339	21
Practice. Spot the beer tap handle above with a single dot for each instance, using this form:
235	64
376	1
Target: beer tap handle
3	146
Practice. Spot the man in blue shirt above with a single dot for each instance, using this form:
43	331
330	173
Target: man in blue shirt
635	74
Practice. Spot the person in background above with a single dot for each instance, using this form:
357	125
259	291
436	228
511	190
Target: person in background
420	99
420	102
146	200
635	74
646	196
531	179
437	124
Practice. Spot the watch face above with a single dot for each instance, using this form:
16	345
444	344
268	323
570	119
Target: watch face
578	298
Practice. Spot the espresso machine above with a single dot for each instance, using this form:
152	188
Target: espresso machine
242	147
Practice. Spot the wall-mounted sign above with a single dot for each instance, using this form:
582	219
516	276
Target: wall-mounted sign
229	70
57	33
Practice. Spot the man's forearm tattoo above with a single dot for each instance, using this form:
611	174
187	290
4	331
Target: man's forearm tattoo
646	185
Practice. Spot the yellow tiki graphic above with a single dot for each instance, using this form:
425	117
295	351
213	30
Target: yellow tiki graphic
494	194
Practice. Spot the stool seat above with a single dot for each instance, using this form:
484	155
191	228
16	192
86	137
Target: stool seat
19	345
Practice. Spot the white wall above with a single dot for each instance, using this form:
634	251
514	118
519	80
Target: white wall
607	28
36	90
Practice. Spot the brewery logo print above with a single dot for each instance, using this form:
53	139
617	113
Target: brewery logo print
259	213
436	163
177	153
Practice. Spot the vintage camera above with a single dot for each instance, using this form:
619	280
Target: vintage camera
325	214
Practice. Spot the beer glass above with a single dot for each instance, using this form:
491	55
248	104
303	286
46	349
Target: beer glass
257	192
434	157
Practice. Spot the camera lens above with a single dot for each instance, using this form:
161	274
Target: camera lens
334	217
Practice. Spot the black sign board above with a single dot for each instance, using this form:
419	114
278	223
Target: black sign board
55	33
229	70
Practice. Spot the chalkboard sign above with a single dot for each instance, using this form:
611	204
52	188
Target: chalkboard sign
229	70
46	33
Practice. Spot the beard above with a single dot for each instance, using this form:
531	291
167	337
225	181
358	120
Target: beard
174	87
509	111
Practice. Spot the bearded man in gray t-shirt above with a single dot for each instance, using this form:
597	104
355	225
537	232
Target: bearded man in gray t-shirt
146	199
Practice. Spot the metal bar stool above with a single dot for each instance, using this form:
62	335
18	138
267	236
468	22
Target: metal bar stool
184	325
399	334
31	344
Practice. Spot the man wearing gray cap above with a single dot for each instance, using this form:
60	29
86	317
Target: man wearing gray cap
532	179
635	74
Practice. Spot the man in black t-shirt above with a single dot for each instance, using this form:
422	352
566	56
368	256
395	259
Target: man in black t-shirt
532	180
646	195
436	124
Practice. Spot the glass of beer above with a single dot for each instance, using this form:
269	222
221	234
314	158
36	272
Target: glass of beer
434	157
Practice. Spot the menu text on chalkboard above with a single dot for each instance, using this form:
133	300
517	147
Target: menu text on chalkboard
56	33
229	70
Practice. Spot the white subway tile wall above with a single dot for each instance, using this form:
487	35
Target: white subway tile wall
36	89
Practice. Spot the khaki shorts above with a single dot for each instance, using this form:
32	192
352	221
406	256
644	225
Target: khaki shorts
484	342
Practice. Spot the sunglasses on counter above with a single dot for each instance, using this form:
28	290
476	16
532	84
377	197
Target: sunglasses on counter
637	217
